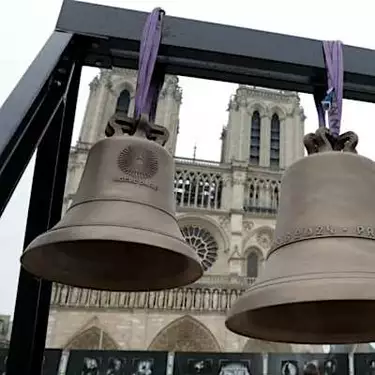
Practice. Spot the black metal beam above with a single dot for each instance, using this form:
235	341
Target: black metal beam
25	115
34	295
218	52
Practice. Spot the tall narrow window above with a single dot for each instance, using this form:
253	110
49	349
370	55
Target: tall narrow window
275	141
252	264
255	139
123	102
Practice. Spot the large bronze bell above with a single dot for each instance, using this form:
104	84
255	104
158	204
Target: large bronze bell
318	284
120	233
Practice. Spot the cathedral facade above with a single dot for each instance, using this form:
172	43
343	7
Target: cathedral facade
226	211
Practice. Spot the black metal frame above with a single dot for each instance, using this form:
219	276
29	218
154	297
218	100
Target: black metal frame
39	113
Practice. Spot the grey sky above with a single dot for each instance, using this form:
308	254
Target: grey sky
25	25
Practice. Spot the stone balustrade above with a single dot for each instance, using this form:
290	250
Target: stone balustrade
198	184
210	293
262	194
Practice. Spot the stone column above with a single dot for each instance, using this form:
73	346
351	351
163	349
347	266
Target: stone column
288	145
226	195
232	132
239	175
265	363
95	105
168	110
238	131
265	141
109	101
243	143
283	146
300	148
235	261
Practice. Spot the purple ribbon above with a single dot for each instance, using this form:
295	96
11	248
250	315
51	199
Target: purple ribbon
149	82
318	96
333	57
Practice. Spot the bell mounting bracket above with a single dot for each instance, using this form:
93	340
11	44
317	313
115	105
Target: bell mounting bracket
120	123
323	140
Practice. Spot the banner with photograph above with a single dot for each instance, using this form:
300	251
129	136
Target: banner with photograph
311	363
110	362
51	361
364	363
218	364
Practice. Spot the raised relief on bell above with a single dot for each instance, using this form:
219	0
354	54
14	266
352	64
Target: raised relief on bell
138	165
366	231
323	231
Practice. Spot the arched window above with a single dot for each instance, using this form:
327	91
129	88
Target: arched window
123	102
255	139
252	265
275	141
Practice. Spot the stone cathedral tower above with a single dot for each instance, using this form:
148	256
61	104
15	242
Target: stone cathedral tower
225	209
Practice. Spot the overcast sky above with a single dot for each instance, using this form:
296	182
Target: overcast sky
25	25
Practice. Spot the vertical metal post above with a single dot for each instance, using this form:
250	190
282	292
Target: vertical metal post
33	296
100	340
26	114
265	363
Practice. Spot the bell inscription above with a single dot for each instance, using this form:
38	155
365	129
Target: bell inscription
323	231
138	165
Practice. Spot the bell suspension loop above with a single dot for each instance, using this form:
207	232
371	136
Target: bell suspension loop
318	281
120	232
330	102
149	83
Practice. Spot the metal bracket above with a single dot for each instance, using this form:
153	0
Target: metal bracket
323	140
120	124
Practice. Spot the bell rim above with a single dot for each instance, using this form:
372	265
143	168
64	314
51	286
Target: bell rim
239	319
112	233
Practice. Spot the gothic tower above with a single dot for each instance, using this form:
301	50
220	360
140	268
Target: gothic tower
265	128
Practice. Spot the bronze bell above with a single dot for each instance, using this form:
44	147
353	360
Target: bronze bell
120	232
318	283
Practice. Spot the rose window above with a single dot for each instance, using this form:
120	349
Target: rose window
203	242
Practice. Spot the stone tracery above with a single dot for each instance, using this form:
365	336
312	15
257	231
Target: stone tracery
203	242
92	338
264	237
183	335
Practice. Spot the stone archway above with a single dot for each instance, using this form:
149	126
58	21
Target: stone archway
185	334
260	346
92	338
